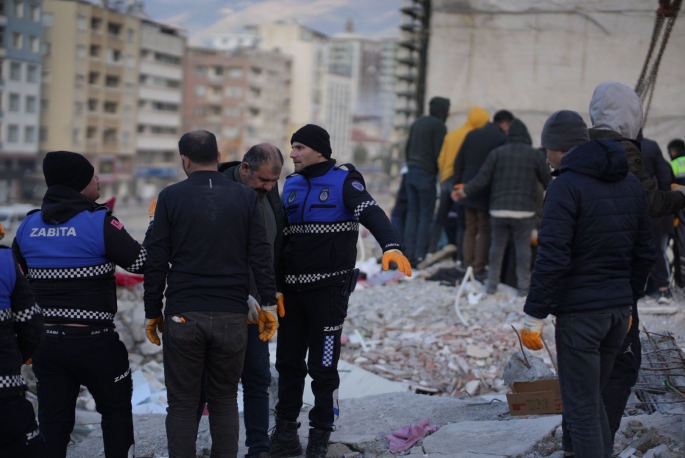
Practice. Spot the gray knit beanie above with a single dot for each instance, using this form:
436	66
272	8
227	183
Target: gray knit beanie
564	130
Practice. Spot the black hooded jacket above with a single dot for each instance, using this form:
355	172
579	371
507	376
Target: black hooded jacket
596	246
426	136
87	294
512	172
230	169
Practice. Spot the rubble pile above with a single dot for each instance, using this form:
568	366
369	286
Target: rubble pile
129	322
409	332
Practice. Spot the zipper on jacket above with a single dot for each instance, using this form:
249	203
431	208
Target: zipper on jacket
304	204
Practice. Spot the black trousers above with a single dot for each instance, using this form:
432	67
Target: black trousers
19	435
313	321
62	363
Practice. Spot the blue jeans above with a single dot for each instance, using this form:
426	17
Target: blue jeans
256	378
421	194
587	346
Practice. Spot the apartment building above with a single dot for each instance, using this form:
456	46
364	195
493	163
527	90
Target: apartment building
20	70
160	100
240	95
90	88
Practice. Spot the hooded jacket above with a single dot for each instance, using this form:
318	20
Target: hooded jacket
471	157
596	246
616	112
231	170
426	136
69	249
512	172
477	117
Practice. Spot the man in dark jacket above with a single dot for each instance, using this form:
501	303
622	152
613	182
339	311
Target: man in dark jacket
69	249
423	149
595	251
472	155
259	170
676	151
324	205
512	173
21	331
207	231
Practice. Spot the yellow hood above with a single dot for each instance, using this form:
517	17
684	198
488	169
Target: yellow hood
477	118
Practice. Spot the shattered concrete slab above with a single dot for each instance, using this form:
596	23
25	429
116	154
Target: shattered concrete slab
491	438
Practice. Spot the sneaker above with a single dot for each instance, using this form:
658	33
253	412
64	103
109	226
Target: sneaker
318	443
665	297
284	439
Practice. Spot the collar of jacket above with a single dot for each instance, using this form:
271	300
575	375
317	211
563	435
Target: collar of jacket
606	133
62	203
202	174
318	169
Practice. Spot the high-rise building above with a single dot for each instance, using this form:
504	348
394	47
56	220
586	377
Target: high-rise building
20	72
90	88
160	107
240	95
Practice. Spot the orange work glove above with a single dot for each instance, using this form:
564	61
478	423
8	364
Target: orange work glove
151	210
29	361
630	323
268	323
398	258
151	328
531	334
458	192
281	304
2	232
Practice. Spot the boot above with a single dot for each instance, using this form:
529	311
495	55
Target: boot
318	443
284	439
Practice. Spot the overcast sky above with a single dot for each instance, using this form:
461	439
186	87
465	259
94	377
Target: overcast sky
202	18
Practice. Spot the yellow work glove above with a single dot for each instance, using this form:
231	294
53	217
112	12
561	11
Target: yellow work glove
398	258
151	328
531	334
2	232
151	210
268	323
281	305
253	312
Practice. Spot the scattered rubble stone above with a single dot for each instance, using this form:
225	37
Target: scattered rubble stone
517	371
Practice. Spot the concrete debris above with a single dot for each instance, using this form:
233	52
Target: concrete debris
517	371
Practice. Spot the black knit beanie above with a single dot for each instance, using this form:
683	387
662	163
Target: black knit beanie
67	169
564	130
315	137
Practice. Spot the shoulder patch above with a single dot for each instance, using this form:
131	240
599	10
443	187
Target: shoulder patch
358	186
116	223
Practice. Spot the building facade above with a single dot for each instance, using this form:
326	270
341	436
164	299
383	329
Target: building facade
20	92
90	88
160	107
240	95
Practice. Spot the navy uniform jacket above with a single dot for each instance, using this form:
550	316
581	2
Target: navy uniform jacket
69	250
21	324
324	206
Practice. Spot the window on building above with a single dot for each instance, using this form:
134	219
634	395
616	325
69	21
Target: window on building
34	44
109	136
78	108
219	70
47	19
167	58
32	73
125	137
18	9
127	111
81	22
161	106
45	75
113	29
13	133
80	79
163	130
145	53
96	24
130	35
234	92
76	135
230	132
15	71
215	110
30	104
17	40
29	134
256	71
81	52
34	9
110	107
91	132
141	128
233	112
254	112
14	102
94	78
112	81
43	133
201	70
200	90
95	50
113	56
235	72
200	111
92	105
130	62
47	48
255	92
44	104
216	90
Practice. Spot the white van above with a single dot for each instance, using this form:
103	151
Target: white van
11	217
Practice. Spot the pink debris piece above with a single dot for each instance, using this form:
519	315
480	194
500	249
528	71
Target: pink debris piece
408	435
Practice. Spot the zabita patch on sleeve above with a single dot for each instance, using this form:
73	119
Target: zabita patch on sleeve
358	186
117	224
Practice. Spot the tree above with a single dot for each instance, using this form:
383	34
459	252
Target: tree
360	154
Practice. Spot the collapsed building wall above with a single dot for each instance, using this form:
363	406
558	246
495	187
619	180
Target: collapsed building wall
535	57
